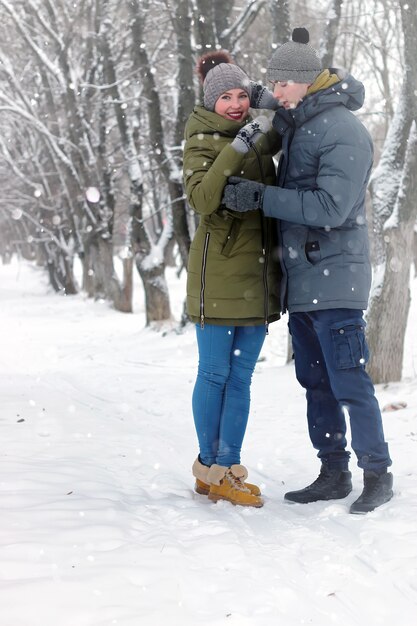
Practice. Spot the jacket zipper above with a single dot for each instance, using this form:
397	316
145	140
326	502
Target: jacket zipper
203	278
265	248
282	174
284	280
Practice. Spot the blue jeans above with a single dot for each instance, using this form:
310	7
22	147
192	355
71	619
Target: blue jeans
221	397
330	353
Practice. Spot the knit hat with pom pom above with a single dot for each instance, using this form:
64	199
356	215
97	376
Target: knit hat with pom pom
295	60
220	74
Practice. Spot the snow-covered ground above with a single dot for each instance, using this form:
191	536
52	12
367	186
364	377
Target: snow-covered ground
99	524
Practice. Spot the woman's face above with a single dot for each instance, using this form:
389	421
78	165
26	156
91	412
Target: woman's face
233	105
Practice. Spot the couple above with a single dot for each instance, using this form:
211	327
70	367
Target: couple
313	213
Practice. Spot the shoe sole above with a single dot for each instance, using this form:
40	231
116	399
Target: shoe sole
332	497
215	498
205	492
201	491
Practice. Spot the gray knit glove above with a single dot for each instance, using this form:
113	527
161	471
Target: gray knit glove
248	135
262	98
243	195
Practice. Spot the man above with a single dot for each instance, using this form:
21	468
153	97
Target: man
320	202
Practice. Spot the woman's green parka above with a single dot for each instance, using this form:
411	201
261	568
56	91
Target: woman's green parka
233	271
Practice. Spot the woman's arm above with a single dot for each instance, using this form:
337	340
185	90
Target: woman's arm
205	175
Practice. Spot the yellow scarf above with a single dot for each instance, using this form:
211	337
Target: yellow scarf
324	80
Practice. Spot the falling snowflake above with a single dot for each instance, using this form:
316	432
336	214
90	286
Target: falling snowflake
92	194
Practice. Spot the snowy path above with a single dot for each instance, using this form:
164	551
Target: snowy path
99	525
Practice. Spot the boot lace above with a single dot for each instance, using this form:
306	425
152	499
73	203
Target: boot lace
370	488
235	482
321	479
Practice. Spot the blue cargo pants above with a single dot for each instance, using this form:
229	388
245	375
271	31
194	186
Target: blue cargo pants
331	352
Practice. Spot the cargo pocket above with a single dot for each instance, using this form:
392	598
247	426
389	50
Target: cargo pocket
349	343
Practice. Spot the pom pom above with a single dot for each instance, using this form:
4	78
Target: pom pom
206	62
300	35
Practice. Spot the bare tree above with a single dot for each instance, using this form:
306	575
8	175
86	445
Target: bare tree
370	41
398	164
61	137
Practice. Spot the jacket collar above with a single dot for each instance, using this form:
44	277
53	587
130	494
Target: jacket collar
208	122
331	88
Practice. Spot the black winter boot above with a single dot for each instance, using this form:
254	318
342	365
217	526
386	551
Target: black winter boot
376	491
331	484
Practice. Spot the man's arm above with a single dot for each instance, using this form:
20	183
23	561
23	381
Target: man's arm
345	159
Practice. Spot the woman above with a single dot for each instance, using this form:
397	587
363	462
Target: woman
233	273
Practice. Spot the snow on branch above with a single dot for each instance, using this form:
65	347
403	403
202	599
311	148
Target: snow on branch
401	206
43	130
39	53
240	26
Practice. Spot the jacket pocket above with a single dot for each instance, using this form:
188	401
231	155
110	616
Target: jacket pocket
231	236
312	251
294	238
349	344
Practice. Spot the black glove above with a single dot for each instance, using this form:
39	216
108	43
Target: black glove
243	195
249	134
262	98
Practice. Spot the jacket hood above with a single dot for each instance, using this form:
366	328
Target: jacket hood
349	90
208	122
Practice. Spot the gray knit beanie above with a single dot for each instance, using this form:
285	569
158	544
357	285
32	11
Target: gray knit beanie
221	78
295	60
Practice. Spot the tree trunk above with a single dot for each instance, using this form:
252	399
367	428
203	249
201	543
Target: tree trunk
156	293
169	166
280	22
157	301
328	42
60	270
87	264
389	310
117	294
415	252
389	168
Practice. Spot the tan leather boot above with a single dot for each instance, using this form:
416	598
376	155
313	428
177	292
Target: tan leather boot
202	485
227	483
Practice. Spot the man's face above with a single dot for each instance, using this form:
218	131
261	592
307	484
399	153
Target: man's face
289	94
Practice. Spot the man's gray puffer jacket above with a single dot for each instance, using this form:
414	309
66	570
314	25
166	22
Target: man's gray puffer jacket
323	174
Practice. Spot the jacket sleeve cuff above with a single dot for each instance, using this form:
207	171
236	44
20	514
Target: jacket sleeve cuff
270	202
